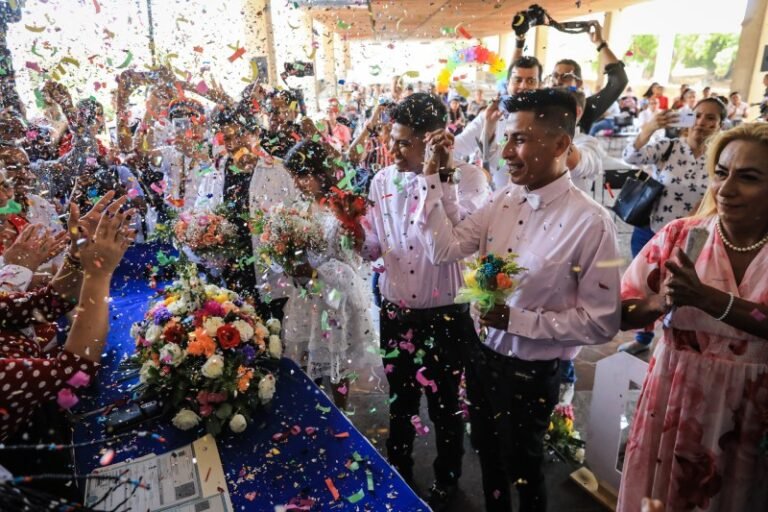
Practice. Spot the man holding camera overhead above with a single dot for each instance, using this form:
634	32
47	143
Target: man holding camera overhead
567	72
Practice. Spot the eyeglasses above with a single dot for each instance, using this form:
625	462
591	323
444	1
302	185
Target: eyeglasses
531	80
564	76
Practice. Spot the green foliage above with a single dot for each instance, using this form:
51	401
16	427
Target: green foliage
644	50
713	52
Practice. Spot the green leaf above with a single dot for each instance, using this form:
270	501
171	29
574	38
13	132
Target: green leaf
224	411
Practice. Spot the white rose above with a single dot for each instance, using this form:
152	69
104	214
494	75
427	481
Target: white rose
275	346
579	455
575	434
185	419
237	424
172	354
135	330
144	372
212	324
267	388
245	330
212	290
247	309
213	367
177	307
273	324
153	333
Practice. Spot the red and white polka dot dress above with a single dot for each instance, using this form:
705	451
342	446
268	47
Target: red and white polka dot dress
29	376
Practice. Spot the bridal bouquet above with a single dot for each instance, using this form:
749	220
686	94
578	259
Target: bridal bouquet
287	235
488	281
207	355
209	235
349	208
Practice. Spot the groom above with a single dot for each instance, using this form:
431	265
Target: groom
568	296
422	330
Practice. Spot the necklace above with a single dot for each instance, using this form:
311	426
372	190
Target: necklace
733	247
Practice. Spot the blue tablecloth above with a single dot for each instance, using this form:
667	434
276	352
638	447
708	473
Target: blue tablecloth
260	473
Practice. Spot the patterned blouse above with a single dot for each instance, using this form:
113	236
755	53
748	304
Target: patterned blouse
29	376
683	175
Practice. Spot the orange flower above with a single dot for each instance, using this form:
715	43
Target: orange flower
244	378
503	281
202	345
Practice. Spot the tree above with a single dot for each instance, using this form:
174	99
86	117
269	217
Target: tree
644	48
713	52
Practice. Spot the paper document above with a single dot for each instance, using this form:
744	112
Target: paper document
187	479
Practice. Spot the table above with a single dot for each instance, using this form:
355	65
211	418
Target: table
261	473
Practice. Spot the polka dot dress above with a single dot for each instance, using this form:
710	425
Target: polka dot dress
29	376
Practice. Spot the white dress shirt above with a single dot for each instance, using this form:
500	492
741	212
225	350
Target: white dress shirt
590	165
569	294
469	141
181	177
271	184
392	233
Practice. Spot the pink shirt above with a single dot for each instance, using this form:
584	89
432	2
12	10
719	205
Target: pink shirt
410	279
569	294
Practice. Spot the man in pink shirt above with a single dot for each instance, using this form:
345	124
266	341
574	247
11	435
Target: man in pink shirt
422	330
340	135
567	297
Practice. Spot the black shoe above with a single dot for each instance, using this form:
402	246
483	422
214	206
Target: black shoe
441	495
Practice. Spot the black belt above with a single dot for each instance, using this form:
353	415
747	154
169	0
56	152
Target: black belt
405	313
514	364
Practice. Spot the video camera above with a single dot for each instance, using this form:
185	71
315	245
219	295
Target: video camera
536	15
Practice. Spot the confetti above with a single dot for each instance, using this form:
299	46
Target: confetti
236	55
332	488
127	61
106	459
425	382
79	379
66	398
421	429
356	497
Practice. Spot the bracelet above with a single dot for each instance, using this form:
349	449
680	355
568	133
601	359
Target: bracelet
601	46
727	309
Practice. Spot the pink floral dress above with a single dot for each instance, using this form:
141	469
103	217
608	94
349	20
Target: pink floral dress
696	437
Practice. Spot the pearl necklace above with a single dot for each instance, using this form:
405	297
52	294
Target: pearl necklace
732	247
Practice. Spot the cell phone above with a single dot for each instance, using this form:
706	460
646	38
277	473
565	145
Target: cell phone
685	119
385	117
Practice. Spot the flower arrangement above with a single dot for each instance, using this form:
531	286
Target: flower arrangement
488	281
561	435
349	208
209	235
287	235
207	354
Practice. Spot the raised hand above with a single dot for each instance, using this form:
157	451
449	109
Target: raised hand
596	34
34	246
77	226
103	250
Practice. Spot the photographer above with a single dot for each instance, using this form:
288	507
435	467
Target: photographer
567	72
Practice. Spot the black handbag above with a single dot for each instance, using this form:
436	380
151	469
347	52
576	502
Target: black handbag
636	200
639	195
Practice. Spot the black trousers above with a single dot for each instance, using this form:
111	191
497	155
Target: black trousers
511	404
432	339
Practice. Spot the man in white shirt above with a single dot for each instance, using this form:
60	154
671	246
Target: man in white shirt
585	158
422	330
523	75
737	109
567	297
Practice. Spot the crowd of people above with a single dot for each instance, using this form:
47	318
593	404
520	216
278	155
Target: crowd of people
510	175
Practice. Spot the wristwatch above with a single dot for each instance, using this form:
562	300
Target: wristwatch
452	176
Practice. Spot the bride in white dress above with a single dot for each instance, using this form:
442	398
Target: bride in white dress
330	330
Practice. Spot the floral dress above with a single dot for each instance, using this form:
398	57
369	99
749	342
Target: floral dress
333	327
696	437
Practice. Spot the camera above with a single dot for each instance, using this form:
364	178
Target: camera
536	15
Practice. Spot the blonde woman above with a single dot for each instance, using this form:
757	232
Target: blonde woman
699	437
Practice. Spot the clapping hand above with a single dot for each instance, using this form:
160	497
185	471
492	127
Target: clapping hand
437	157
34	246
77	226
662	119
106	245
683	286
